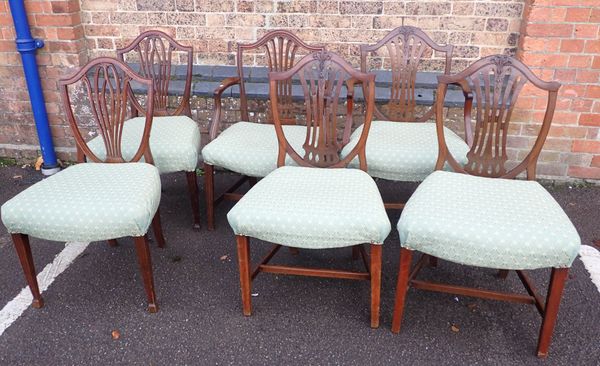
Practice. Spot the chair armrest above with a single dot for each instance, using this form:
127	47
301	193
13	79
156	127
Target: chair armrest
226	83
350	85
213	129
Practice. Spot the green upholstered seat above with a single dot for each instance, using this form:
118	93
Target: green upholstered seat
87	202
404	151
174	142
251	148
488	222
312	208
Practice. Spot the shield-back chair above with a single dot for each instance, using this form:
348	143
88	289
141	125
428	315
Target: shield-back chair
479	215
317	204
175	136
109	197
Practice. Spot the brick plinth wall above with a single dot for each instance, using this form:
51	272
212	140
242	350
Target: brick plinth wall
558	38
58	24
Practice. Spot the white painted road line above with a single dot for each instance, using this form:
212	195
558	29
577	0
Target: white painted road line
13	310
591	260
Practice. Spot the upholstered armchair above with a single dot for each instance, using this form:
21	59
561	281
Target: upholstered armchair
402	145
246	147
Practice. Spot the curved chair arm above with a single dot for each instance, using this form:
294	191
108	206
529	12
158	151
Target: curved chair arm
214	125
467	115
350	83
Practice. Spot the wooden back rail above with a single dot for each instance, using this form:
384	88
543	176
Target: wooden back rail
107	86
155	50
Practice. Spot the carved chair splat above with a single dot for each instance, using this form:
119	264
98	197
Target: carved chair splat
407	47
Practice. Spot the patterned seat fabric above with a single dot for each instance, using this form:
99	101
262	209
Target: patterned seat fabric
312	208
488	222
87	202
404	151
174	142
251	148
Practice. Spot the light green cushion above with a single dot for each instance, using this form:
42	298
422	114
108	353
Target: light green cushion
312	208
488	222
87	202
404	151
251	148
174	142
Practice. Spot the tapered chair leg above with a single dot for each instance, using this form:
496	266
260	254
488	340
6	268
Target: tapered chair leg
21	242
192	182
157	228
555	289
209	191
243	249
143	253
375	270
401	287
112	242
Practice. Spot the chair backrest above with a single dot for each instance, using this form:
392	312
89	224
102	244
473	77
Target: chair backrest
321	77
154	51
402	51
101	91
492	86
281	48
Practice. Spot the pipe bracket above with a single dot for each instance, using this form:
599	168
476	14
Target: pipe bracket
29	44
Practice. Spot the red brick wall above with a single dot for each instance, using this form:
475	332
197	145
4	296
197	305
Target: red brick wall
58	23
558	38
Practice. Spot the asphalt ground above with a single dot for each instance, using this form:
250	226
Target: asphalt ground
296	320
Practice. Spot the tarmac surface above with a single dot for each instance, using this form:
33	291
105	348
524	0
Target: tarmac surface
296	320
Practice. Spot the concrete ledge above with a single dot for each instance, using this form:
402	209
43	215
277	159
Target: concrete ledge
206	78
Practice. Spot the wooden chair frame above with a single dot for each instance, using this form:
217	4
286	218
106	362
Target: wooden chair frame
154	47
489	162
326	148
106	71
404	70
278	60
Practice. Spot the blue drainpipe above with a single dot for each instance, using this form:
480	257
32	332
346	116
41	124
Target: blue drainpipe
27	47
